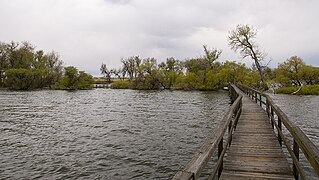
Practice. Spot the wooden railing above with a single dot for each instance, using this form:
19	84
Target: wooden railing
300	140
214	142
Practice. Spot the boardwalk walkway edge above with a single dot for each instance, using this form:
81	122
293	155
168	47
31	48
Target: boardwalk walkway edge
271	115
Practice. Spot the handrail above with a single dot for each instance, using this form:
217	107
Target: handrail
213	142
300	140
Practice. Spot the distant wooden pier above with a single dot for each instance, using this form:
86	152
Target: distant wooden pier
249	143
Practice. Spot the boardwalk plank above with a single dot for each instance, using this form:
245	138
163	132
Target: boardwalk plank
255	152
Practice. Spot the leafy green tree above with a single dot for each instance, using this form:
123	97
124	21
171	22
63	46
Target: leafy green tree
169	72
211	56
23	56
19	79
23	59
85	81
203	70
234	72
27	79
3	62
287	72
73	79
309	74
54	64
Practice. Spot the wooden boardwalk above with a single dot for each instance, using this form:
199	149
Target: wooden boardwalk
247	146
255	152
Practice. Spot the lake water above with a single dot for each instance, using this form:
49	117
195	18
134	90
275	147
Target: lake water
103	133
304	112
116	134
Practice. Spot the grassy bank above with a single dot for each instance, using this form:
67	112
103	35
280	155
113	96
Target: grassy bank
305	90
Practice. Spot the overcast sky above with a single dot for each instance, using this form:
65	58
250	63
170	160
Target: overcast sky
88	32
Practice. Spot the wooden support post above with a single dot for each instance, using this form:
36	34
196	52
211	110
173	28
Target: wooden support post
267	107
229	125
220	150
260	101
256	99
296	152
280	129
272	117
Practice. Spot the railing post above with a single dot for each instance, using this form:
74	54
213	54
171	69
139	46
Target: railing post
220	150
256	99
296	152
229	125
280	129
272	117
267	107
260	100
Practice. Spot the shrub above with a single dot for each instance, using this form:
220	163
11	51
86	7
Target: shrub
74	79
305	90
27	79
122	84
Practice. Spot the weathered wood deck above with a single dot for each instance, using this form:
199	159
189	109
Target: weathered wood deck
248	143
255	152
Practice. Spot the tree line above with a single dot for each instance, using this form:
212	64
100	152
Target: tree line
206	73
202	73
24	68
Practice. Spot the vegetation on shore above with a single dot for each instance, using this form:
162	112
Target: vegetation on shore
305	90
206	73
293	74
24	68
192	74
74	79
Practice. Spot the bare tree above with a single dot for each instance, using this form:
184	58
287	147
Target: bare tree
129	66
106	72
116	72
242	39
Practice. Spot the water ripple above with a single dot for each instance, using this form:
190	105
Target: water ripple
104	133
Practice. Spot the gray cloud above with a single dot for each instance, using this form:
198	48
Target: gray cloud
87	33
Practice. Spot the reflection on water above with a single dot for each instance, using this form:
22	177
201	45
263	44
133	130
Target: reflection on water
103	133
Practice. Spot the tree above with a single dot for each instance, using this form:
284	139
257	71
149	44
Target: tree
129	66
309	74
211	55
169	72
54	63
116	72
287	72
3	61
242	39
42	70
105	72
74	79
